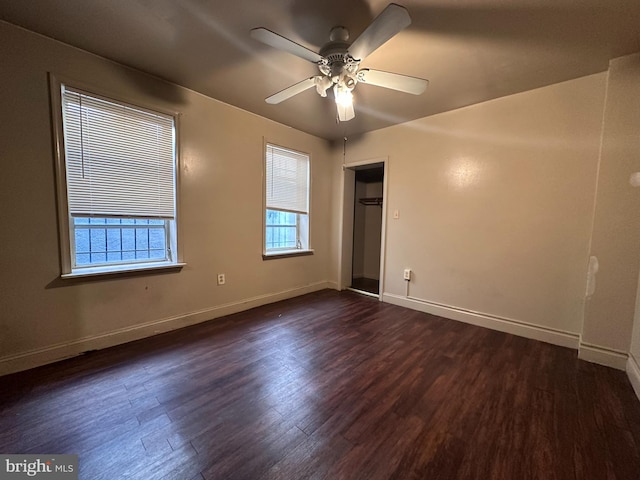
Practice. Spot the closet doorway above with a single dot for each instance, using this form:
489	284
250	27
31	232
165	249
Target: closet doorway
367	228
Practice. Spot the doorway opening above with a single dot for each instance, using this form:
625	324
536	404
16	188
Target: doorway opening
368	200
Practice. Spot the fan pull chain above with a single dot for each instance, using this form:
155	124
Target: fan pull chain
344	153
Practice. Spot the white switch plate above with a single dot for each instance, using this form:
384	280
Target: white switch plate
407	274
396	214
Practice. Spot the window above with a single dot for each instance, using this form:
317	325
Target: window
104	240
117	185
286	201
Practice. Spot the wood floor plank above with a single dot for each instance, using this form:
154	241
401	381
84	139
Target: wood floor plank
329	385
311	459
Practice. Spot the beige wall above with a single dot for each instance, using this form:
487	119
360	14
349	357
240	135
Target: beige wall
372	229
612	319
616	230
367	226
495	204
220	213
633	362
359	235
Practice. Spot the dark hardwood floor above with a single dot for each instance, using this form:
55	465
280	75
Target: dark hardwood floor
328	386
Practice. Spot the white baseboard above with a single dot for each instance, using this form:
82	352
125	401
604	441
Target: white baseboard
502	324
602	356
35	358
633	372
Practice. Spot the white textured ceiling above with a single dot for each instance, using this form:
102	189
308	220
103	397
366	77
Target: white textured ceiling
469	50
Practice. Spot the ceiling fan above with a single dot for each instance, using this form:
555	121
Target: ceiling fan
339	61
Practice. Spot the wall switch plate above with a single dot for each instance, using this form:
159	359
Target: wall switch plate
221	279
396	214
407	274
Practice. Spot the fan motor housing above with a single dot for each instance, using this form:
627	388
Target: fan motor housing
335	51
336	55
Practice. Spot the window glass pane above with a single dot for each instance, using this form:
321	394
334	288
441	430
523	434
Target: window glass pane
281	230
82	241
142	238
113	240
157	239
129	239
156	254
83	259
119	240
98	240
129	255
99	257
114	256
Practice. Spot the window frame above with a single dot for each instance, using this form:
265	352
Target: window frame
65	224
306	234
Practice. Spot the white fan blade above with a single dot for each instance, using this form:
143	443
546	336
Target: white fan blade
289	92
394	81
391	21
345	112
281	43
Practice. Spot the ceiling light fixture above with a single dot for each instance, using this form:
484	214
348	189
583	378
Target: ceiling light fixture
343	95
322	85
339	61
344	102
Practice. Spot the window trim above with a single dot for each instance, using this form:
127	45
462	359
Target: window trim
283	253
287	254
65	227
122	269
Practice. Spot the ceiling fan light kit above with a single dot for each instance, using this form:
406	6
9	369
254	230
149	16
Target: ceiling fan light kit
339	61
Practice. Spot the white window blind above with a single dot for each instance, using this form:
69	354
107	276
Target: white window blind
120	160
287	180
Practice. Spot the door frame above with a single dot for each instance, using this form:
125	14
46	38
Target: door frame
348	199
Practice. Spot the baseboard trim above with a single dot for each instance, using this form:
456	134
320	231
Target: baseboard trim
493	322
602	355
53	353
633	372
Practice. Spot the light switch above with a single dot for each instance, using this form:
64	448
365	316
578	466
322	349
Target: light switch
396	214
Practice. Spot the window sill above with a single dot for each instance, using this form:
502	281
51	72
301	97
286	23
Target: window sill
120	269
286	253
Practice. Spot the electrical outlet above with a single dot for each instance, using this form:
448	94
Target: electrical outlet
407	274
221	279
